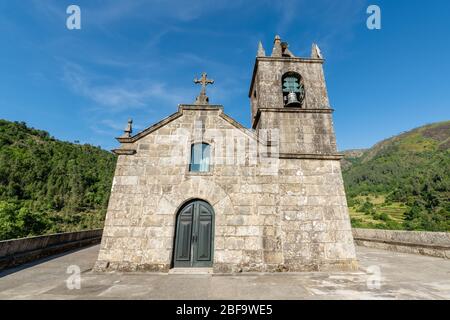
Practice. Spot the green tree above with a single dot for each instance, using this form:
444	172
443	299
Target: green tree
48	185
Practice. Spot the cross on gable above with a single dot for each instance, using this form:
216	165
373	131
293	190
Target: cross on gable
204	81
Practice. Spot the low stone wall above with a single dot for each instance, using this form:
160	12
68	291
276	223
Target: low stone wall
436	244
18	251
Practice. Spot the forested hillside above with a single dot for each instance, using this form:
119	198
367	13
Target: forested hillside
402	182
48	185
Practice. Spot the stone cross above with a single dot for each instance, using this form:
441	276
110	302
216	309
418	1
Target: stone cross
204	81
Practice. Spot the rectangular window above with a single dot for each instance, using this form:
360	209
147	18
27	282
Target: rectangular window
200	157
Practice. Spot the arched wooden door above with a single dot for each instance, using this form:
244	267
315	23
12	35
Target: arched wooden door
194	235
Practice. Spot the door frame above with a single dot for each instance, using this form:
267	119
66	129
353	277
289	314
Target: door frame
175	230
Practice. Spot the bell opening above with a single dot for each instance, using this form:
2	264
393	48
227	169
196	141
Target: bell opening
293	90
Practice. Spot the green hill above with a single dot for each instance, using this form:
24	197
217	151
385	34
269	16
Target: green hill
48	185
402	182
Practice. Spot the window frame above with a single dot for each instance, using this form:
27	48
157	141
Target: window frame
190	163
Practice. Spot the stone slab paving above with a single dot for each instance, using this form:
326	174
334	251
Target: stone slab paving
403	276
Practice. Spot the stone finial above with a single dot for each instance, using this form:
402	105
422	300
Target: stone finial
261	51
128	130
285	51
202	98
277	51
315	52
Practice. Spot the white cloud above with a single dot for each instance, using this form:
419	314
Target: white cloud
120	95
113	124
103	13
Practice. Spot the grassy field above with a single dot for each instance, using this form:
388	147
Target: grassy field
375	212
411	170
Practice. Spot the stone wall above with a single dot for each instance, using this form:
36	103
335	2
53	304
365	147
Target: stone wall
435	244
18	251
314	216
306	130
300	131
291	219
267	82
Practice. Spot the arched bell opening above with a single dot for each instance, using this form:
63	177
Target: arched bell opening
293	90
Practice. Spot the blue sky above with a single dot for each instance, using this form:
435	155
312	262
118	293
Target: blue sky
138	59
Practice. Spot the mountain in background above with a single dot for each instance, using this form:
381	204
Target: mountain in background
402	182
350	157
47	185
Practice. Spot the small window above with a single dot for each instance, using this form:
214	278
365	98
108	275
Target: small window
200	157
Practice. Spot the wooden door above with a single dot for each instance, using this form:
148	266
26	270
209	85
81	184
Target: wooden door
194	235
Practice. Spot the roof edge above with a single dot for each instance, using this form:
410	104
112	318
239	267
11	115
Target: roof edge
179	113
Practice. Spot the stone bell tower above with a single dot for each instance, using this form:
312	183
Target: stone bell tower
289	93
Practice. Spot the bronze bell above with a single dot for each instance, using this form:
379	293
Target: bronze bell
292	100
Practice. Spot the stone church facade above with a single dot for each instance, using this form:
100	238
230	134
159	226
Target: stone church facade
198	189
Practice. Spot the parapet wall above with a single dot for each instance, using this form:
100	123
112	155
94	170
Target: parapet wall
436	244
18	251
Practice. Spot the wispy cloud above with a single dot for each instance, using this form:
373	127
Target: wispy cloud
161	10
333	20
103	13
110	128
118	95
116	125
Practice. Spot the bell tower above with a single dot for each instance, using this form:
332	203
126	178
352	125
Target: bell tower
289	93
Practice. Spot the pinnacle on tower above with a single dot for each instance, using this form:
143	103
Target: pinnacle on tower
261	51
285	51
315	52
276	51
280	49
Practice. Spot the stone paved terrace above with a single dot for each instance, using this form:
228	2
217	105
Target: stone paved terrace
404	276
